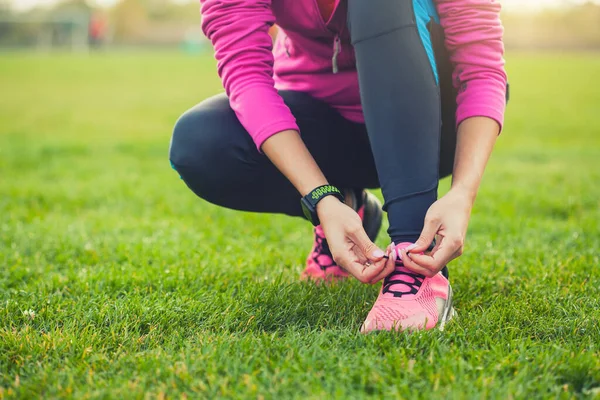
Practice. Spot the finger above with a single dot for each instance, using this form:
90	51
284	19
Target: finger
368	248
388	269
362	260
342	260
360	257
449	248
414	266
443	259
431	227
437	261
423	261
377	265
351	259
436	247
364	272
390	261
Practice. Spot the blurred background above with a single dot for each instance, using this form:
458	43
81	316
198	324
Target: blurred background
81	25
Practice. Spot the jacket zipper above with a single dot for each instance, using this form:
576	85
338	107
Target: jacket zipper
337	41
337	49
286	45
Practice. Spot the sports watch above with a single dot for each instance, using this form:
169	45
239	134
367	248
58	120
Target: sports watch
310	201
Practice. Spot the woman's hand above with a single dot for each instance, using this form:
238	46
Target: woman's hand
349	244
448	218
351	247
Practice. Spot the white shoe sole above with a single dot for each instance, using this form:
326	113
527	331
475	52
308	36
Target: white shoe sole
448	313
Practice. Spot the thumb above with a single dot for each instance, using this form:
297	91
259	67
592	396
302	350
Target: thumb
369	249
427	235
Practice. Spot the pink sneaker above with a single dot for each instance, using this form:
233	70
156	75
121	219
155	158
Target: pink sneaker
410	301
319	264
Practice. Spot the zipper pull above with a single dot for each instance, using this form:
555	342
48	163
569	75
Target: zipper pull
285	46
337	49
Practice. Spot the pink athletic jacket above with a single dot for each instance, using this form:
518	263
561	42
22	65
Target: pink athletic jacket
316	57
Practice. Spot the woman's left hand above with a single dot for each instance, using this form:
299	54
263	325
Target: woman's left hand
448	218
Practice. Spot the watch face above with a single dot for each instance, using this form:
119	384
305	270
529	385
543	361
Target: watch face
306	213
307	210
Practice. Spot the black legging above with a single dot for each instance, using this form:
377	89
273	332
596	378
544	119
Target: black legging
398	150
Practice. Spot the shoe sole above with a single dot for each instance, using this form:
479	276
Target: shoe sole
448	313
373	217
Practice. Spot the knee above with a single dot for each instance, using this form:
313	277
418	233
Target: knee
203	136
203	146
190	140
193	147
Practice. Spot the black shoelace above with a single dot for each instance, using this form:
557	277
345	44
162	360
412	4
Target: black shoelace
322	247
397	278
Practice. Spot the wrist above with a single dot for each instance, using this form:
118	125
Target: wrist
310	185
469	194
325	203
317	199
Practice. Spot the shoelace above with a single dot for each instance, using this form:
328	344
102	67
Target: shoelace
399	277
322	248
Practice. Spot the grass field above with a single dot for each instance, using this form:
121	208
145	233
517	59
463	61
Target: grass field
115	281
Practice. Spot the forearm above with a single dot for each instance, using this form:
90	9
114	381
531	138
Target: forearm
289	154
476	139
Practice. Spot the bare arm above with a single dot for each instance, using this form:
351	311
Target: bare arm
476	139
287	152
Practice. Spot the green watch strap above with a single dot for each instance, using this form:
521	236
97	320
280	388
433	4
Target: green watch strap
318	193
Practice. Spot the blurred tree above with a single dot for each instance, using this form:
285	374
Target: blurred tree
129	19
572	27
70	5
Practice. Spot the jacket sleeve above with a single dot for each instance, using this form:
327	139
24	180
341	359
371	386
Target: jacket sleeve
474	40
239	32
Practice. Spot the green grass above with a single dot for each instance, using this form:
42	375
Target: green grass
137	289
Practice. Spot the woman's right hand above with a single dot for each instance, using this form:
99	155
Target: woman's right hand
349	244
